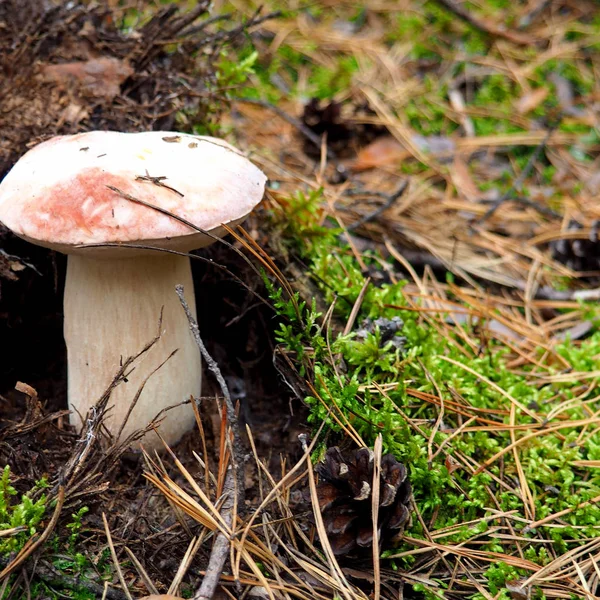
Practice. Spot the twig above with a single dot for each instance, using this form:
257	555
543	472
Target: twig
253	21
220	549
486	26
233	487
543	210
11	258
390	199
94	418
516	186
158	181
237	457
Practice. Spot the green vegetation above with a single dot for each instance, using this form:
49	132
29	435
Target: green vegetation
447	366
23	516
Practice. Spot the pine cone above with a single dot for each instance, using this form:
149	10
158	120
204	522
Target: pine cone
345	500
388	328
578	255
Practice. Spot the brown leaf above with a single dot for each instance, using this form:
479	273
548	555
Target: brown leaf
99	77
383	152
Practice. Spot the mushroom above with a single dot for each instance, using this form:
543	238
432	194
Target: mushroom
73	192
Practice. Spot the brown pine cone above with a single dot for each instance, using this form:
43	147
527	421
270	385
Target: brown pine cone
345	500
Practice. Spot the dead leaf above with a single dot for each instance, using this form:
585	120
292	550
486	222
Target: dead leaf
384	151
531	100
100	77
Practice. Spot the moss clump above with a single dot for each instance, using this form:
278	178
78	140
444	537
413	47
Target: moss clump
23	515
451	494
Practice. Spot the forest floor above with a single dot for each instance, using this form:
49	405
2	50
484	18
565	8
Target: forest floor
422	278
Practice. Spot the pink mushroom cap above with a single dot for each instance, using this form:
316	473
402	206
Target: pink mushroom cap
72	191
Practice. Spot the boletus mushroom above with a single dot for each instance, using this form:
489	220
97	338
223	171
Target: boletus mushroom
74	192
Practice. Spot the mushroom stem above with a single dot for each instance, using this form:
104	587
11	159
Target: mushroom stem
112	308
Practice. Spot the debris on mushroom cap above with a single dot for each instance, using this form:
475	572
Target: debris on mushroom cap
71	190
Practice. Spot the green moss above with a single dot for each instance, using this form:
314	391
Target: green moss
447	498
24	513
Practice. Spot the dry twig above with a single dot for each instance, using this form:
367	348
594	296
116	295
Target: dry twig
233	488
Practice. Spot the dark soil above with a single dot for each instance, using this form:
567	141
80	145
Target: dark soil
133	83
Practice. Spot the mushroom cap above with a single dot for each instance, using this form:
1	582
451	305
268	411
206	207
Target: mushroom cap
75	190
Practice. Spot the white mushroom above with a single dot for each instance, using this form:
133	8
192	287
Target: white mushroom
73	191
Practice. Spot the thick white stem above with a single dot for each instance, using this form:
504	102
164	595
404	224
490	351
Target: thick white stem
112	308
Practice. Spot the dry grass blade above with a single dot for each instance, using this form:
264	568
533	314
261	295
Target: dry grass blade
141	571
375	495
115	559
185	564
336	571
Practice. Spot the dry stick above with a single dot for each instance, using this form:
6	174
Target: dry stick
486	26
139	393
237	456
389	201
516	186
234	480
221	545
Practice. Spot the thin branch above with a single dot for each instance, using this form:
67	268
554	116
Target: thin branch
516	186
390	199
233	487
486	26
220	549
